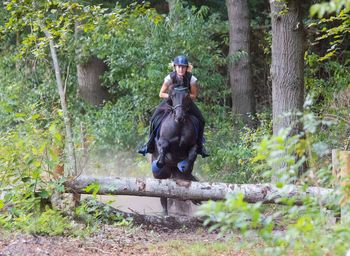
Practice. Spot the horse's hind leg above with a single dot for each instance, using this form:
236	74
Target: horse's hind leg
164	203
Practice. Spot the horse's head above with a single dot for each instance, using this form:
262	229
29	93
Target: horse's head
180	98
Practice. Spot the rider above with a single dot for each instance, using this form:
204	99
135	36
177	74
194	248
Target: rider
180	73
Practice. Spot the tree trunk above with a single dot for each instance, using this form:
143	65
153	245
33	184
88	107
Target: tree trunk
187	190
243	101
89	81
173	13
65	113
89	73
287	67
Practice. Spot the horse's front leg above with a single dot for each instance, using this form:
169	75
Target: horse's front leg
186	165
163	146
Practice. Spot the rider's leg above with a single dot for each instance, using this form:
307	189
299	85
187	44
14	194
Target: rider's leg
149	146
194	110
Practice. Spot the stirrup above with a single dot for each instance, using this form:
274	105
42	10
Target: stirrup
203	152
142	150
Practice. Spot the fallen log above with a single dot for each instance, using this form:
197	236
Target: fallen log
189	190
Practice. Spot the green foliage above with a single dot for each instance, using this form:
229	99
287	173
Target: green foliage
111	125
328	82
336	27
325	78
28	217
26	166
94	214
29	135
139	62
95	187
329	7
308	230
51	222
231	214
232	160
58	17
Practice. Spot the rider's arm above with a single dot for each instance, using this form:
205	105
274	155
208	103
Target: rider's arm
163	91
193	93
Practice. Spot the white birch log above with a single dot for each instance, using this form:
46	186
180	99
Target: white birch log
189	190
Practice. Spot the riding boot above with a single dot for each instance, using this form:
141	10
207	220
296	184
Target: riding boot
201	150
148	147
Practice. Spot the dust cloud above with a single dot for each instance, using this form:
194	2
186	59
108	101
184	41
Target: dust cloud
126	164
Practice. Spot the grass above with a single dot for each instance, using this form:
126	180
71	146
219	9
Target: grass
201	248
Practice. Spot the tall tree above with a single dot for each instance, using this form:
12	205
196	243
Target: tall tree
243	101
89	81
89	76
65	113
287	67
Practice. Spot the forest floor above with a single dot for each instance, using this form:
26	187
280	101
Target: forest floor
124	240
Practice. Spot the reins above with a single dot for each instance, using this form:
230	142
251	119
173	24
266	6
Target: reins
175	107
178	105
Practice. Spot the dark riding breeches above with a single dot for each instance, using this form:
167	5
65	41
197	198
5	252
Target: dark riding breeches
194	110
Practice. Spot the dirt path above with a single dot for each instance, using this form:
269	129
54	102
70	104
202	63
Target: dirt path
122	241
142	240
115	240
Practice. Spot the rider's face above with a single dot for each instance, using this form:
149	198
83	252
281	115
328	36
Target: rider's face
180	70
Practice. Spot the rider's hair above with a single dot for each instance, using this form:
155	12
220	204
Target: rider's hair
189	68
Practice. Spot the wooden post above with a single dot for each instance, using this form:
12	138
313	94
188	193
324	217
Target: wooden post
341	172
336	166
344	157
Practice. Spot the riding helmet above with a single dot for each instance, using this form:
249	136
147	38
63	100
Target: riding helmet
181	60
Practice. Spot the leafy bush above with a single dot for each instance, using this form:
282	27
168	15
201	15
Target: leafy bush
325	79
29	137
231	159
308	230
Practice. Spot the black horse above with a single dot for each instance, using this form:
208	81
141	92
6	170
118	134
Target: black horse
176	141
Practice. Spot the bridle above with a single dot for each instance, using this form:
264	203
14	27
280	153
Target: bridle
173	108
